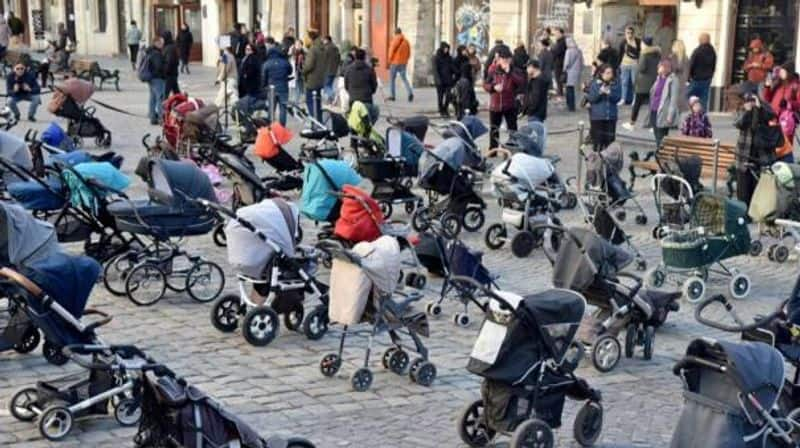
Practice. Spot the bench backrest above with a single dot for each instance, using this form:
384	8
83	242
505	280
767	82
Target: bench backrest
84	65
14	56
702	147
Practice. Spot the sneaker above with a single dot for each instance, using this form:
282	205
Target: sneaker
628	126
411	98
621	103
391	98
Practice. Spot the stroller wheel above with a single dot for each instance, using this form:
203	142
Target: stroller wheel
225	313
694	289
641	265
260	326
410	207
451	225
116	271
396	360
433	309
648	340
655	277
473	219
572	201
756	247
386	209
416	281
24	403
588	423
330	364
30	340
472	427
293	320
422	372
532	433
55	422
53	354
461	320
522	244
361	379
631	333
621	215
739	286
420	219
315	324
145	284
128	412
781	253
219	236
496	236
205	281
606	353
641	220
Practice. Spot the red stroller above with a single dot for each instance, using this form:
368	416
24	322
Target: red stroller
176	107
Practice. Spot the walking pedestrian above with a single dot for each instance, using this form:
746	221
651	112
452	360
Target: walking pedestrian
756	145
360	81
702	65
155	68
502	83
21	85
664	97
332	60
185	42
680	66
783	94
133	37
276	72
171	64
314	72
227	79
399	55
546	62
646	75
629	52
696	123
604	95
559	50
444	77
298	58
573	69
758	64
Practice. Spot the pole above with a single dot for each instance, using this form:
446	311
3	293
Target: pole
225	86
315	105
271	103
716	166
578	178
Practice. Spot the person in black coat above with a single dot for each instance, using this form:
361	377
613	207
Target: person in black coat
535	103
185	41
465	100
461	59
607	56
520	58
559	50
444	75
250	74
546	61
171	64
360	80
754	149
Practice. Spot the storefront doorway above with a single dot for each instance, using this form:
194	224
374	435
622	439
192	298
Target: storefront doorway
775	25
319	16
171	17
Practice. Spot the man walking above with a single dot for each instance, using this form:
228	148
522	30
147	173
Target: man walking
559	53
133	37
314	72
332	61
154	65
702	65
399	54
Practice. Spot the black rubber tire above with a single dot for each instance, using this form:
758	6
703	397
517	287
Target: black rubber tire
630	340
386	209
471	428
315	325
196	275
52	353
30	340
588	423
649	340
225	313
473	219
293	320
263	319
522	244
330	364
530	433
495	237
451	225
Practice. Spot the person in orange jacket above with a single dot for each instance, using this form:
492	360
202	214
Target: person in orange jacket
399	54
759	62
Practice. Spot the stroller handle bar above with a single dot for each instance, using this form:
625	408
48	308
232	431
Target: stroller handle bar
694	361
490	293
123	351
740	325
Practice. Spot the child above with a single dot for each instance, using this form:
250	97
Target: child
696	123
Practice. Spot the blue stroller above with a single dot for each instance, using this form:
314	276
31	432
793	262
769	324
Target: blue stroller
170	213
320	179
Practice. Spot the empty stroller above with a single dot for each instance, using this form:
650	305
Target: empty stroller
775	207
673	197
526	354
592	266
145	274
176	107
604	186
270	148
320	179
261	247
69	98
717	231
521	186
363	282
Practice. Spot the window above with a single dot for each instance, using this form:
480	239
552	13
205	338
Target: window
101	16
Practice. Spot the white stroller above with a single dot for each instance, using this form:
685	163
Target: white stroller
775	207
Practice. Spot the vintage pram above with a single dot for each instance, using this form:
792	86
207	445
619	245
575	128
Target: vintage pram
262	247
363	283
520	183
775	208
69	101
605	188
717	231
145	273
589	264
526	354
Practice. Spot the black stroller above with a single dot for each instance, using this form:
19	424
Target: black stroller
68	102
526	354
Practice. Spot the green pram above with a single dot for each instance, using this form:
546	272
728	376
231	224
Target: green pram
717	231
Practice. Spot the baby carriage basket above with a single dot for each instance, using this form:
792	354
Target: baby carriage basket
145	274
526	354
269	147
177	414
588	264
775	207
262	248
69	98
520	183
363	282
111	384
733	397
717	231
604	186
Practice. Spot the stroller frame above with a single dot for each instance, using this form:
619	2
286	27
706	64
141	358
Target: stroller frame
670	215
592	196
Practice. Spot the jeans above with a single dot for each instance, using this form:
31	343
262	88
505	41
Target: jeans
701	90
394	70
33	98
134	53
298	89
495	119
571	98
329	90
541	132
156	98
281	99
788	158
315	110
628	82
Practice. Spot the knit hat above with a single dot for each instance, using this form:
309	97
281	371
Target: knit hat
693	100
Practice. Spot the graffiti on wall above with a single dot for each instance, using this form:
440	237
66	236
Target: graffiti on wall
472	24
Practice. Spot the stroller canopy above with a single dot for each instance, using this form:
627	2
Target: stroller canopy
178	179
319	179
23	238
469	129
529	171
611	159
274	218
454	152
68	279
405	145
14	150
77	89
525	140
582	256
103	173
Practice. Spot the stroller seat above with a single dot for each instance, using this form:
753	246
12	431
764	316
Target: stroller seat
660	299
145	217
316	134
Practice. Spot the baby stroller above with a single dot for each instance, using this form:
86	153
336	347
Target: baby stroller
605	188
68	102
262	248
365	141
145	274
14	151
177	414
521	186
717	231
607	226
775	207
526	354
176	107
673	197
270	148
323	138
320	179
363	282
588	264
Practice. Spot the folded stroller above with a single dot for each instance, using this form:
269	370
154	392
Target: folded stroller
68	102
171	212
717	231
775	207
605	188
363	282
526	354
262	248
592	266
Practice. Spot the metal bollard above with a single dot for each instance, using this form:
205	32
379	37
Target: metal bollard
315	105
579	176
716	166
271	103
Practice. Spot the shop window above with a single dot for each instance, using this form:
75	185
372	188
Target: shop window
775	24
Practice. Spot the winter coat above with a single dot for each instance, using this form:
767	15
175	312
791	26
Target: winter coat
681	71
465	97
461	63
573	65
28	78
314	69
559	50
360	82
604	105
697	125
749	123
475	65
170	51
332	59
783	96
249	76
399	50
156	62
758	64
702	63
276	71
546	64
668	111
511	82
445	71
520	58
238	42
609	56
535	103
185	41
632	51
648	68
133	36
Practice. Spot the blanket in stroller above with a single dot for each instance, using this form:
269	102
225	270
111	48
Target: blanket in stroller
23	238
68	279
276	219
352	284
521	174
103	174
319	179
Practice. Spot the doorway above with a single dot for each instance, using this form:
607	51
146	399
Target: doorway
318	16
228	16
69	13
192	16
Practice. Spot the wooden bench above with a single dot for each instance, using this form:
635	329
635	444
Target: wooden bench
671	146
91	70
13	57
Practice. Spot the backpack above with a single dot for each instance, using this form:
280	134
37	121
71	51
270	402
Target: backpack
143	69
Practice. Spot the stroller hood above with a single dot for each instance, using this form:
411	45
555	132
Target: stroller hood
14	150
248	253
529	171
611	159
583	255
102	173
405	145
77	89
319	179
55	136
454	152
68	279
525	140
469	129
23	238
173	180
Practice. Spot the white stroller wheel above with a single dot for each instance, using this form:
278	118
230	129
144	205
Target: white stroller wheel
606	353
128	412
694	289
739	286
55	422
24	403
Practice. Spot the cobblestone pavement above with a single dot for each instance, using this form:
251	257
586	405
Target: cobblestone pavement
280	390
